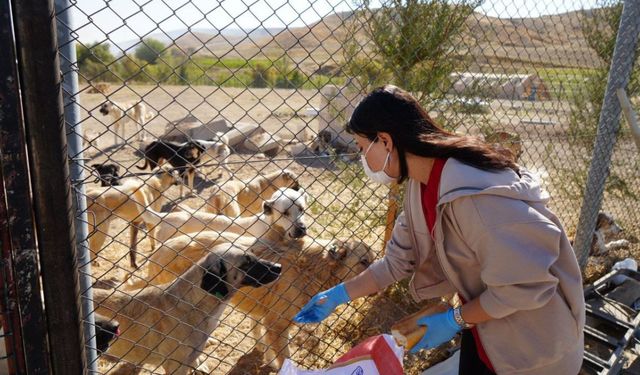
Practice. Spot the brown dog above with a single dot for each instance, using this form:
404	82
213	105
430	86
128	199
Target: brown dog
127	202
237	198
168	326
308	266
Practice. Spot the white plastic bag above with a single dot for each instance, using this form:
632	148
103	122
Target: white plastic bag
377	355
627	264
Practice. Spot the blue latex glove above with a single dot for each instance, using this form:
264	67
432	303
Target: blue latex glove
441	328
322	305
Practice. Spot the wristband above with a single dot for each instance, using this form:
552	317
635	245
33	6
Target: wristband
457	315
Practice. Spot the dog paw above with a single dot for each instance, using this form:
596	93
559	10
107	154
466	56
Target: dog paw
622	244
202	370
110	283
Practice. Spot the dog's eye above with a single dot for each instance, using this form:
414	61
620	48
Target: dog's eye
286	213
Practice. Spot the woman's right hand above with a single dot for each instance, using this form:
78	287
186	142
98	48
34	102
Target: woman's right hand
322	305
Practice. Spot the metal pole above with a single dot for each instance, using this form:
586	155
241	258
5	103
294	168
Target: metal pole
16	225
619	74
630	116
40	82
71	100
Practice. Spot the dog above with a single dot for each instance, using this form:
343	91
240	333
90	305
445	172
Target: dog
127	202
182	156
283	212
168	326
106	331
137	111
310	265
606	228
236	198
108	174
283	218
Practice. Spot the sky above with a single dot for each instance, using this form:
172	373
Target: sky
124	20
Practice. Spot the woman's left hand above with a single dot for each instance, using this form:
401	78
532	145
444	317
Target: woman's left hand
441	328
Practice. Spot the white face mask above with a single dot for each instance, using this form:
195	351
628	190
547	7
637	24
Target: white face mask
380	176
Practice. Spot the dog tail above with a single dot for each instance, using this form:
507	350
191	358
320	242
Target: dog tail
146	163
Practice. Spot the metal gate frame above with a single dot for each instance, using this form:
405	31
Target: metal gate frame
37	195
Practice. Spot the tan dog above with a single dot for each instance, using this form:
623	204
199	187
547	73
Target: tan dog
168	326
127	201
121	112
308	266
237	198
285	211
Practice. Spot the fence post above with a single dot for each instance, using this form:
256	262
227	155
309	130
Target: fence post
13	235
39	69
71	98
608	124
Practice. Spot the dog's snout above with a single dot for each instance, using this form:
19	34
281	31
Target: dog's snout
261	272
276	269
300	230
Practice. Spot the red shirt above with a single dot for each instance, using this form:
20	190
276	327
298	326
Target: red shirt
429	201
430	194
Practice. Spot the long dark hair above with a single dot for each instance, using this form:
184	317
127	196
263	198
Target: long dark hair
392	110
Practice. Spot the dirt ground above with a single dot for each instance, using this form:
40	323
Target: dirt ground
343	205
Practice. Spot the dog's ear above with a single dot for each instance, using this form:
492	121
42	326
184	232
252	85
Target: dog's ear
267	207
214	280
96	166
602	220
304	196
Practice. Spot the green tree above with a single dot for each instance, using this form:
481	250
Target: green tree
94	61
96	52
262	76
289	76
413	43
600	29
150	50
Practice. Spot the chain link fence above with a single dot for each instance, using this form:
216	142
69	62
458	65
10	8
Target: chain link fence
206	125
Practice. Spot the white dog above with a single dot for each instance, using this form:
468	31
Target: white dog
120	112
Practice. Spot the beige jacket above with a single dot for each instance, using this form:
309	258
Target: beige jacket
495	240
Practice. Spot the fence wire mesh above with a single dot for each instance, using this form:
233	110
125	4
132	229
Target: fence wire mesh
243	99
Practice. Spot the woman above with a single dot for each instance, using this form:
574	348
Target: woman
476	224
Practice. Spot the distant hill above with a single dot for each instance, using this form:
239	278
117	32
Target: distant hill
547	41
196	38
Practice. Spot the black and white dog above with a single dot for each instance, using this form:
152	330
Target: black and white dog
183	156
606	228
